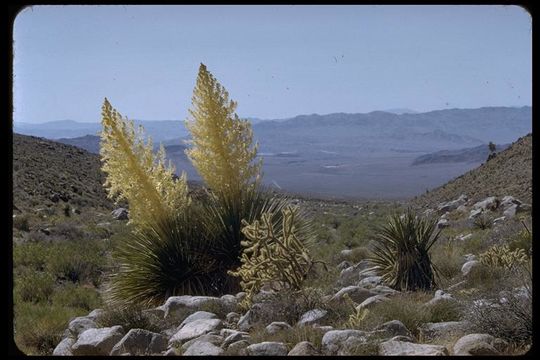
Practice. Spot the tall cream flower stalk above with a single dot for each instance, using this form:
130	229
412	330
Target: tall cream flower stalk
135	174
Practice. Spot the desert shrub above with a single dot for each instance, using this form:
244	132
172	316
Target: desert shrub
38	328
510	317
69	231
448	260
501	256
358	254
129	317
411	310
22	222
37	237
521	240
487	279
290	337
401	252
74	296
31	255
76	262
33	286
483	221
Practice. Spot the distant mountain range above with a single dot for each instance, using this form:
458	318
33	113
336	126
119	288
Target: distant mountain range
350	155
475	154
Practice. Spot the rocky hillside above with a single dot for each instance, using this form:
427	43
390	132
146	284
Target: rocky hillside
46	172
509	173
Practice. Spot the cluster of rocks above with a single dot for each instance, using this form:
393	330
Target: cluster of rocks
199	332
507	207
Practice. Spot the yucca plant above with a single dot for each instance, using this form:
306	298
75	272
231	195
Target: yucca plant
401	252
169	257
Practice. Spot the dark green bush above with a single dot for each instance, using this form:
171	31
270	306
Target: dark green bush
401	252
75	296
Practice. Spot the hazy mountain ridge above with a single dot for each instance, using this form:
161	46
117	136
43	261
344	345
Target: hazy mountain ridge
475	154
508	173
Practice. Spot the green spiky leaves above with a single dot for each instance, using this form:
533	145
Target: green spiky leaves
401	252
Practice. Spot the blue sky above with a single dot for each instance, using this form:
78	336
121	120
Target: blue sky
275	61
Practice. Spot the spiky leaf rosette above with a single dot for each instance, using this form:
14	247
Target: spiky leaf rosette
172	256
223	151
401	252
135	174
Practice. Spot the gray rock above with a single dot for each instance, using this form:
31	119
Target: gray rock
511	211
312	317
238	347
203	348
343	265
170	352
97	341
462	209
356	293
452	205
64	347
232	338
371	301
213	339
444	329
499	220
489	203
393	348
250	318
267	348
402	338
334	340
370	281
139	341
277	326
349	276
509	201
475	213
304	348
80	324
440	296
443	223
195	329
199	315
232	317
463	237
384	290
95	314
469	257
120	214
468	266
176	303
394	328
476	344
240	296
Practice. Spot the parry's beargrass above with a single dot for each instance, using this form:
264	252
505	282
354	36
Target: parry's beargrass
180	246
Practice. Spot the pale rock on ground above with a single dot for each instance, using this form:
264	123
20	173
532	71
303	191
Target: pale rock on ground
277	326
371	301
444	329
304	348
267	348
356	293
139	341
478	344
64	347
195	329
203	348
394	348
97	341
468	266
312	317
